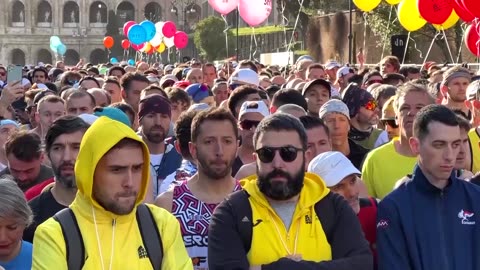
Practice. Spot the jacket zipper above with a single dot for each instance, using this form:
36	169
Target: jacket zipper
443	244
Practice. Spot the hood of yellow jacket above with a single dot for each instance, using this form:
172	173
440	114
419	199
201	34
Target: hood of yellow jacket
314	189
100	137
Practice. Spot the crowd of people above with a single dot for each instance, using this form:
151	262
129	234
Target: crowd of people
240	166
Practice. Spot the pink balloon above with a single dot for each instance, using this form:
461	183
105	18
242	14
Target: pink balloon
180	40
127	26
223	6
254	12
169	29
137	47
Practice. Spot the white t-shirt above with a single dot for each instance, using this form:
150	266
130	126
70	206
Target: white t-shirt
155	160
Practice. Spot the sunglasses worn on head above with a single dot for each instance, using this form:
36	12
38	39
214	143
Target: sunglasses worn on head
390	122
287	153
248	124
371	105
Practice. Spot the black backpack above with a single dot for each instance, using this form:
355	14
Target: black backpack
240	204
74	242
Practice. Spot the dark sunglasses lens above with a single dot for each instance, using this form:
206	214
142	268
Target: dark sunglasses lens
248	124
288	154
266	155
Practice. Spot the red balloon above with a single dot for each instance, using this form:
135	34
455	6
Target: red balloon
472	40
473	6
138	47
108	42
169	29
464	14
180	40
125	44
435	11
127	26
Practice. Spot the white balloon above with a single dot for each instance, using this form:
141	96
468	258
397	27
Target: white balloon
169	42
156	40
159	27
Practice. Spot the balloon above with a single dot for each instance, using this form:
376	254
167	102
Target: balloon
54	48
180	40
409	16
131	62
108	42
169	29
61	49
55	41
449	23
366	5
149	29
146	48
156	40
113	60
393	2
223	6
255	12
125	44
435	11
472	40
138	47
137	34
464	14
127	26
161	48
169	42
151	51
473	6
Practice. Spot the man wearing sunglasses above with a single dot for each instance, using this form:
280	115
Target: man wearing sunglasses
251	113
363	117
285	218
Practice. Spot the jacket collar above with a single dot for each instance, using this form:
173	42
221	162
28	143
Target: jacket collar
421	182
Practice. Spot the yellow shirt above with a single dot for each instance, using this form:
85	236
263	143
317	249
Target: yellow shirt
474	139
383	167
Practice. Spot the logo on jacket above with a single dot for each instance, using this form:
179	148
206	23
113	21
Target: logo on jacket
465	217
308	220
382	224
142	252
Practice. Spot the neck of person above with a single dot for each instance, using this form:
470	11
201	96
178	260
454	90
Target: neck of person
343	147
155	148
438	183
62	194
359	126
14	254
453	105
215	187
402	146
245	152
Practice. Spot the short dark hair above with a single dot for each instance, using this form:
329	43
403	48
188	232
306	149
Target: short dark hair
384	91
178	95
289	96
248	64
81	94
67	124
464	123
208	65
112	69
281	122
432	113
41	69
129	77
155	88
89	78
183	132
94	70
112	79
213	114
271	90
310	122
238	96
126	108
24	145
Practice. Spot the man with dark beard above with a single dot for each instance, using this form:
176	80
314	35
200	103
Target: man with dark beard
62	145
285	218
154	115
214	145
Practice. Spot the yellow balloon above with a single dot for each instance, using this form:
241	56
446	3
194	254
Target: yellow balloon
449	23
409	16
367	5
393	2
161	48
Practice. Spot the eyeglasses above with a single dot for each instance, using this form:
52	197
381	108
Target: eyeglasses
374	81
287	153
248	124
371	105
389	122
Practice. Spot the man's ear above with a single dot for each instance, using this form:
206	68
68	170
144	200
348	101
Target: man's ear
177	146
193	150
124	94
444	90
414	145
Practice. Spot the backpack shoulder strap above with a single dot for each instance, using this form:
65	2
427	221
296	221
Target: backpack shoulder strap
327	217
150	236
73	238
242	212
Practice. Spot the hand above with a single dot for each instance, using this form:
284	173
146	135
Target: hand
11	92
295	257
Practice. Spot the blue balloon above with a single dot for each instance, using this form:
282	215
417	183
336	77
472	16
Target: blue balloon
137	34
113	60
61	49
54	48
149	29
131	62
55	41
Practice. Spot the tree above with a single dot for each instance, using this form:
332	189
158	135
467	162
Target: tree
209	38
112	27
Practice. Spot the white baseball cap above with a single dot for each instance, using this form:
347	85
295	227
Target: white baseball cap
332	167
244	76
254	107
88	118
332	64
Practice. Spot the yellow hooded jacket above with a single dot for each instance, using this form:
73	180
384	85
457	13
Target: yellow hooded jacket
120	236
303	237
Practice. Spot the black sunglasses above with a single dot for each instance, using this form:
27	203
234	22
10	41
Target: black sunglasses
287	153
390	122
248	124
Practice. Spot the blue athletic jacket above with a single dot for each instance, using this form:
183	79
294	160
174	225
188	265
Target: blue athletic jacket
420	227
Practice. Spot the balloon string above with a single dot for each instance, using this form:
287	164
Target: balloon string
251	43
386	32
365	16
285	22
448	45
406	48
430	48
420	53
225	31
168	56
256	44
464	29
294	29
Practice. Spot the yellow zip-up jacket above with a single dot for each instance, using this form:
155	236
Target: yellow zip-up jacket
120	238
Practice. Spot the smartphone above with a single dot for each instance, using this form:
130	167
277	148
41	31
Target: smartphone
14	73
